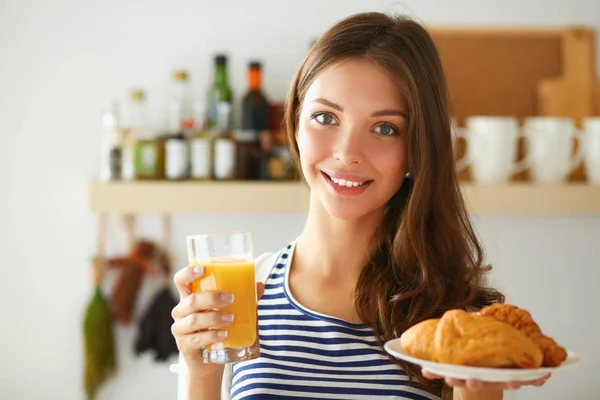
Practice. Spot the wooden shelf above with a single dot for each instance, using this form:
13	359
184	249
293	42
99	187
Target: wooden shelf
189	197
278	197
528	198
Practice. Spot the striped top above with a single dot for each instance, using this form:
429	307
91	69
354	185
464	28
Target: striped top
304	354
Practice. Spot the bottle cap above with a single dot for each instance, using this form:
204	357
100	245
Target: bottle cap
180	75
221	59
137	95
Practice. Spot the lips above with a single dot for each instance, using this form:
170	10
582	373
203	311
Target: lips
347	177
347	184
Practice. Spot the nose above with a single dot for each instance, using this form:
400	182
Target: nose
348	147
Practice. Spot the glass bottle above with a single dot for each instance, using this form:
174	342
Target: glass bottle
176	146
181	94
224	146
148	154
128	145
180	122
200	145
220	92
255	123
275	160
111	146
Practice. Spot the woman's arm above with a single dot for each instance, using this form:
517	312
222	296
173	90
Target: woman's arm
461	393
473	389
205	387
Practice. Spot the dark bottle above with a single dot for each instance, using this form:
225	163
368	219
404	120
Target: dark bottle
255	123
220	92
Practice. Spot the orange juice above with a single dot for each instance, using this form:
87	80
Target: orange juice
234	276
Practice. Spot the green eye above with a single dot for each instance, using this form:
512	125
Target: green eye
325	119
385	130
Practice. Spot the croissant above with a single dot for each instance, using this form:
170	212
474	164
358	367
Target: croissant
418	340
554	354
462	338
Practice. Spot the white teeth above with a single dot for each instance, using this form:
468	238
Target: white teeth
343	182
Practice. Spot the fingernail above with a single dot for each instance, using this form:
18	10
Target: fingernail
222	334
227	317
198	269
227	298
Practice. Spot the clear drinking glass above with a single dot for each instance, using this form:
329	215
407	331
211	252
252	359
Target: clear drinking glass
228	260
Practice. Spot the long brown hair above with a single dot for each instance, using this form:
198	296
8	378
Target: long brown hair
429	258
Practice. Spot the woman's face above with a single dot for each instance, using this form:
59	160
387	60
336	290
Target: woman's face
351	138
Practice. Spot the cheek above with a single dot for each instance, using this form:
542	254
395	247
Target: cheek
311	145
391	162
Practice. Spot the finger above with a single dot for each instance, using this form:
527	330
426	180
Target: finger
538	382
200	322
429	375
452	382
478	385
184	278
260	290
535	382
513	385
474	385
201	302
192	343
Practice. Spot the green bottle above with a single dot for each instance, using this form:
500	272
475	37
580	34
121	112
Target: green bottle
220	92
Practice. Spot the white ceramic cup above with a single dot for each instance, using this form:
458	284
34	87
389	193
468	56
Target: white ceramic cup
551	142
491	148
591	149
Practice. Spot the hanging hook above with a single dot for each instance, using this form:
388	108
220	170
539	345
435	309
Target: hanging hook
167	257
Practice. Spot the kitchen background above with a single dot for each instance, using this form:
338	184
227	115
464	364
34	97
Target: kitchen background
64	62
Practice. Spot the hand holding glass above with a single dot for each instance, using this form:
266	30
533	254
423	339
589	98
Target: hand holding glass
229	268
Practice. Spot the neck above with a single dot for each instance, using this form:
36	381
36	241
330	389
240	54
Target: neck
335	249
254	79
221	75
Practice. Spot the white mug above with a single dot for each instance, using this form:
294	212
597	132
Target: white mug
591	148
491	148
551	141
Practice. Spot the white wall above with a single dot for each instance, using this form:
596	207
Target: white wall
63	61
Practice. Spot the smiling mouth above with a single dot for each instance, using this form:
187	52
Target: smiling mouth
346	183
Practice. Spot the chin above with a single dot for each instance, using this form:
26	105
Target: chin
344	213
350	209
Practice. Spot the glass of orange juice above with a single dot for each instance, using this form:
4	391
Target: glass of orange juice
229	267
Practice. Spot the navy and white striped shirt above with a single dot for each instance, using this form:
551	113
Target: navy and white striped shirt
304	354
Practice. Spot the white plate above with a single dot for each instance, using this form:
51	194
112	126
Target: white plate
484	374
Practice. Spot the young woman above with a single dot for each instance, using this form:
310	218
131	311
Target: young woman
387	243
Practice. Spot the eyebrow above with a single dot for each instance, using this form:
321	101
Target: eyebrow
381	113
